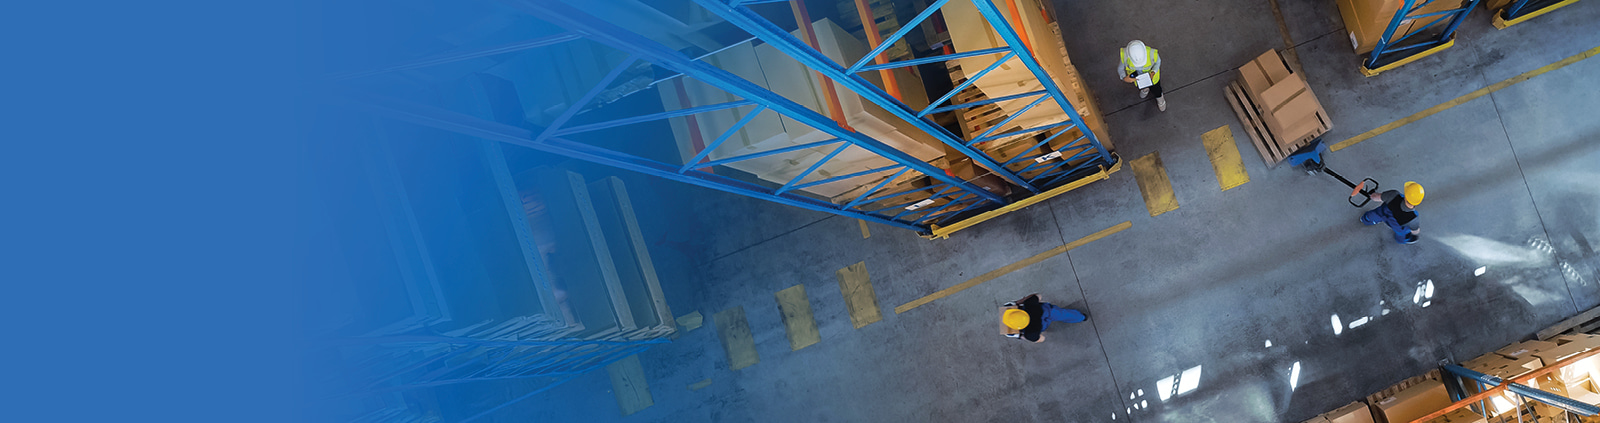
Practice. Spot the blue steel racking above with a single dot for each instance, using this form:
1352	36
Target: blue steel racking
1484	382
1392	52
959	199
1520	11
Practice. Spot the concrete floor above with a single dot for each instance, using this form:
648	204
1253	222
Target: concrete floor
1513	187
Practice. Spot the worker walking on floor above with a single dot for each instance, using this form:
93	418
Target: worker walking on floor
1399	211
1028	317
1141	65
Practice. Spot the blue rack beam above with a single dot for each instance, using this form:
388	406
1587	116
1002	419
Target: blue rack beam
1391	52
1546	397
737	13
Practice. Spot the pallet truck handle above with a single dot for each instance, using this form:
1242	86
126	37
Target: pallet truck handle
1361	190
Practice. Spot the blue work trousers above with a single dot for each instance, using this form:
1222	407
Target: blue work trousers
1058	314
1382	214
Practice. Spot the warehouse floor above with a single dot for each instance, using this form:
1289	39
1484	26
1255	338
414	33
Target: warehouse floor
1270	294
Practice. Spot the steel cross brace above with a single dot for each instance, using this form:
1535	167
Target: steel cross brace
619	38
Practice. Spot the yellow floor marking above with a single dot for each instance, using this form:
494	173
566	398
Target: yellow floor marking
702	384
1154	185
864	232
1288	42
734	331
1224	154
1103	174
797	320
690	321
1465	98
627	381
1012	267
859	297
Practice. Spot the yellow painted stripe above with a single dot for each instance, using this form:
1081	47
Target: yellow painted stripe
1154	185
797	320
1103	174
1012	267
859	297
736	338
1288	42
629	385
1465	98
690	321
865	233
1224	154
702	384
1412	58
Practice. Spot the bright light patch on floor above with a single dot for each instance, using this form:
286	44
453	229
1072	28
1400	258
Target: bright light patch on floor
1425	304
1113	416
1189	380
1294	376
1141	392
1480	271
1429	292
1144	404
1130	394
1269	343
1386	312
1165	385
1358	322
1338	327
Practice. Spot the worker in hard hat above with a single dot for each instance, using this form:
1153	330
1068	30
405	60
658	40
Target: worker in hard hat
1141	66
1028	317
1399	210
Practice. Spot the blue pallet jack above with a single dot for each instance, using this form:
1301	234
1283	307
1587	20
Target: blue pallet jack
1310	159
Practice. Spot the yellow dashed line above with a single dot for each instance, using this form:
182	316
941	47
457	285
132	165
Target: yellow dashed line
734	331
1225	159
1463	99
1012	267
1154	185
797	320
859	297
865	233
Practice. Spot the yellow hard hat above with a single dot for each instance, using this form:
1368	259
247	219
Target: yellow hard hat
1414	193
1015	319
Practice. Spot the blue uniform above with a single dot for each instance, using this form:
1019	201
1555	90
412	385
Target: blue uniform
1401	220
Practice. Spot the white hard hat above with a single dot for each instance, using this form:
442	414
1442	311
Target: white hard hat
1137	53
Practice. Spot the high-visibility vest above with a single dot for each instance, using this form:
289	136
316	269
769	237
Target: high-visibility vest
1130	69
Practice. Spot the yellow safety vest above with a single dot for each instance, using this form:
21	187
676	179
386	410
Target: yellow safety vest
1155	57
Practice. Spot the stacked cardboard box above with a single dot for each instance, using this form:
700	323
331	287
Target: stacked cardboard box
1366	20
1355	412
1277	107
1414	402
773	70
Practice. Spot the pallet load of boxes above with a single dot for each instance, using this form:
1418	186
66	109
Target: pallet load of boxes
1277	108
769	68
1563	360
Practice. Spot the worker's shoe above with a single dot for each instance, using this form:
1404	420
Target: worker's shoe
1364	221
1161	103
1144	92
1409	239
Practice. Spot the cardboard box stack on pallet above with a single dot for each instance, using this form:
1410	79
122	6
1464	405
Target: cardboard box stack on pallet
1366	20
969	31
1277	107
1423	395
771	69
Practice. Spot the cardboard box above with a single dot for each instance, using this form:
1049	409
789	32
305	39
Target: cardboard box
1525	348
1317	419
1464	415
1366	20
1355	412
1415	401
1287	108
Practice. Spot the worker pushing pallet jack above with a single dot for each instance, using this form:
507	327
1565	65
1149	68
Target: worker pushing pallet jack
1397	208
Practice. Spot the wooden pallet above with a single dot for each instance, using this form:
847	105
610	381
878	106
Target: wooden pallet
1585	322
1272	151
